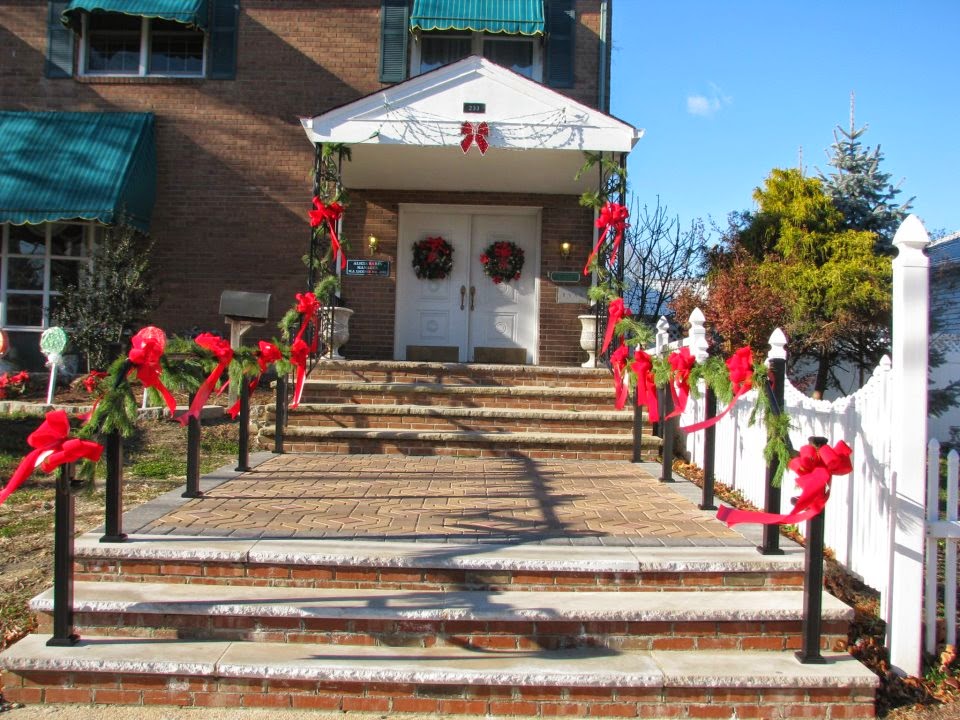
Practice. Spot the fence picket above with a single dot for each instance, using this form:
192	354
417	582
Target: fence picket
950	579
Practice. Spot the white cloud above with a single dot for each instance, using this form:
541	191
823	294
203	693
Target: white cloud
708	105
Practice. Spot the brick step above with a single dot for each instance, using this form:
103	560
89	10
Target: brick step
381	371
424	566
464	443
439	418
503	621
449	680
473	396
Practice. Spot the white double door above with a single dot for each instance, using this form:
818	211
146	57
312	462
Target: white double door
466	310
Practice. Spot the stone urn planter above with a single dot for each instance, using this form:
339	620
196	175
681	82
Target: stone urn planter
588	338
341	330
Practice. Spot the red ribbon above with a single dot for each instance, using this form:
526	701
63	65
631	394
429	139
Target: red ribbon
615	313
298	356
474	134
309	307
613	216
52	447
740	367
642	367
146	347
266	355
329	214
681	363
224	354
815	469
618	361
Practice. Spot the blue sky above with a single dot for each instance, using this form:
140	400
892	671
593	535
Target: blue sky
728	90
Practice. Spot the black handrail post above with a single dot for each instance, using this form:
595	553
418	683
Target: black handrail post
637	429
666	407
809	652
113	520
709	451
280	415
770	544
63	634
243	442
193	457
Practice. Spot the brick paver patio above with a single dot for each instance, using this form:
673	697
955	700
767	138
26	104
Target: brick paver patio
449	499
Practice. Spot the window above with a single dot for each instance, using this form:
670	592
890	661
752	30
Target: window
520	53
117	44
38	261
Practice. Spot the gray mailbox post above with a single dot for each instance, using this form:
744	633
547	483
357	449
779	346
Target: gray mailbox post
242	311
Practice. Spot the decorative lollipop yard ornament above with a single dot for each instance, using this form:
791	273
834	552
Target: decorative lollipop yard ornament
53	342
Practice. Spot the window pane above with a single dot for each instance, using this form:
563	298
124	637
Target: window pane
25	310
63	273
28	239
113	43
68	240
175	49
25	274
517	55
438	51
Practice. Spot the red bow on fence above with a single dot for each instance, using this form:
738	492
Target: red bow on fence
146	347
329	214
474	134
615	313
298	356
815	469
266	356
642	367
613	216
309	308
223	353
52	447
740	367
681	363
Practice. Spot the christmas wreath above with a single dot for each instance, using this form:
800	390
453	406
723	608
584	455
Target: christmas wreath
502	261
432	258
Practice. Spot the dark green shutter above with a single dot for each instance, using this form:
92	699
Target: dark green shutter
561	24
394	37
59	63
224	21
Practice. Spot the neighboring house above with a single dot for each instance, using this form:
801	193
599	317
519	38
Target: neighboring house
945	328
185	117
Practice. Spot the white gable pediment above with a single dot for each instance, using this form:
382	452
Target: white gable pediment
429	110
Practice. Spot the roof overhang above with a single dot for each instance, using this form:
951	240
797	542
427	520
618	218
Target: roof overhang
409	136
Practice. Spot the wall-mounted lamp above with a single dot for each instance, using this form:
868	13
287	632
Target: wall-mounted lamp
565	249
372	243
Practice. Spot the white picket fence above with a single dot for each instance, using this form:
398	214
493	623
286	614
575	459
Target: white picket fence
945	528
875	519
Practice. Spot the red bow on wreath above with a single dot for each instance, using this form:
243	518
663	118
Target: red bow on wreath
474	134
329	214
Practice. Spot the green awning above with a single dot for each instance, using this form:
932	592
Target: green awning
188	12
58	166
515	17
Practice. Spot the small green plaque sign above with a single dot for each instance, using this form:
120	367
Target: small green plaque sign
368	267
565	277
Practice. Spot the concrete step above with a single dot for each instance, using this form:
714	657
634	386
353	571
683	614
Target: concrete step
424	566
512	620
447	680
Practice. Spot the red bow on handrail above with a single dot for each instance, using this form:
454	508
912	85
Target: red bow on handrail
146	347
815	469
52	447
642	367
266	356
613	216
298	356
474	134
223	354
615	313
309	308
329	214
740	368
618	361
681	363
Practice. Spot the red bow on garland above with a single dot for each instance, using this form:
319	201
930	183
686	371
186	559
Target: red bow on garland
266	356
681	362
52	447
618	361
329	214
474	134
815	469
740	367
223	353
298	356
615	313
146	347
309	308
642	367
613	216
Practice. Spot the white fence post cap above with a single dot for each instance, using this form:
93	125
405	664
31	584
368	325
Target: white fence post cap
778	346
911	234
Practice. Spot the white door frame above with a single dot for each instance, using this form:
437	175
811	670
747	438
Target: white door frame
532	260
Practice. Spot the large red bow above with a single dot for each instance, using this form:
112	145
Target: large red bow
266	356
681	363
52	447
298	356
613	216
740	368
615	313
223	353
642	367
329	214
618	361
814	469
146	347
309	308
474	134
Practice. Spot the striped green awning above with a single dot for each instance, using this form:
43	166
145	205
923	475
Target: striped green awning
74	165
514	17
188	12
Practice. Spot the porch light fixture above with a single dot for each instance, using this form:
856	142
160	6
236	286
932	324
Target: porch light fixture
565	249
372	243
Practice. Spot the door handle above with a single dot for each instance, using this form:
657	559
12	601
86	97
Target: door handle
463	292
473	293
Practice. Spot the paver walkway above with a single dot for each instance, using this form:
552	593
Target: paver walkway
447	499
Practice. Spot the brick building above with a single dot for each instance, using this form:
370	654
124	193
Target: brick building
202	115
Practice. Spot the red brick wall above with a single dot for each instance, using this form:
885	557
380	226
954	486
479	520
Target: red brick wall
233	162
